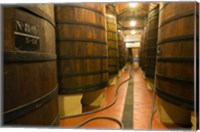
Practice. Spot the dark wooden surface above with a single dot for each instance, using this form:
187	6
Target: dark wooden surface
81	47
151	45
113	55
122	51
30	79
142	50
175	58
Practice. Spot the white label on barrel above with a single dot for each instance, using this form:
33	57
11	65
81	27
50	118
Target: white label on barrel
26	36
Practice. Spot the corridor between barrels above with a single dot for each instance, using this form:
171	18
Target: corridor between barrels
140	111
116	65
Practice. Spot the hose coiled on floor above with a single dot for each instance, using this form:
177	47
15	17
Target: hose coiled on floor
98	110
100	117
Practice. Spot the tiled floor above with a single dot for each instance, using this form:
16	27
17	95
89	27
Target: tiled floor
142	105
114	111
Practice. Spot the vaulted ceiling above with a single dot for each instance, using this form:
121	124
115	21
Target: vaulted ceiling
132	18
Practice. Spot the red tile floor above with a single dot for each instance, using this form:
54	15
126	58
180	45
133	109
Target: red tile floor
143	103
115	111
142	106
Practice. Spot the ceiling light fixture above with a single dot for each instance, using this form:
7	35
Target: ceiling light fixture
133	32
109	15
132	23
132	4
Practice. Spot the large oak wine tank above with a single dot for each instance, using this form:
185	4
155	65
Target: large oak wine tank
175	54
30	77
81	47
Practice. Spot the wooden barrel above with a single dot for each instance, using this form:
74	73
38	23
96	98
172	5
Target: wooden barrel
142	51
151	45
111	9
113	55
135	60
175	54
30	80
197	63
81	47
126	55
111	20
122	51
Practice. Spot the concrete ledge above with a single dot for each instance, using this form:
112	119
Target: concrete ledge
194	120
169	113
70	104
150	84
113	80
93	99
